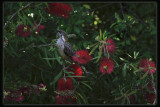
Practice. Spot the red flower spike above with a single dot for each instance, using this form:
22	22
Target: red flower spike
151	97
23	31
65	100
15	96
106	65
150	87
82	57
64	84
76	69
110	46
60	9
145	63
25	91
42	85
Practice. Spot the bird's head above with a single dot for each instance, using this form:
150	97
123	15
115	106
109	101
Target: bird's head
62	34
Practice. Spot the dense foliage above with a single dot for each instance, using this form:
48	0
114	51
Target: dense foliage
116	36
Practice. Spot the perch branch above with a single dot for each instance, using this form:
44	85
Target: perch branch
16	14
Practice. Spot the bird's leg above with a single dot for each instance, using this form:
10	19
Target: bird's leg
64	68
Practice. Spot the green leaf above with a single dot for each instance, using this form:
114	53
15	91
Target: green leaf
86	6
123	59
135	54
100	36
75	76
79	22
46	4
132	92
76	29
118	98
28	20
128	101
56	78
118	18
57	57
144	75
41	15
49	58
69	29
81	97
94	49
99	54
113	24
93	44
42	77
104	35
87	85
45	53
123	101
124	70
42	39
140	69
19	15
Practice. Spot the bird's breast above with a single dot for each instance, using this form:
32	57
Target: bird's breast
60	46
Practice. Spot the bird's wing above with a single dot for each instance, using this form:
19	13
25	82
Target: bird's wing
68	49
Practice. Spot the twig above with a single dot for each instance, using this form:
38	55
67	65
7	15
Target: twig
122	9
34	46
99	7
16	14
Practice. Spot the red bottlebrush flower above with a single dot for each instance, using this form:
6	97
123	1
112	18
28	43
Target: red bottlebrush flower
132	99
106	65
42	85
15	96
65	100
82	57
151	97
76	69
40	27
60	9
64	84
110	46
149	86
25	91
145	63
23	30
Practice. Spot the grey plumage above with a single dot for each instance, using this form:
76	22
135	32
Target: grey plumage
68	49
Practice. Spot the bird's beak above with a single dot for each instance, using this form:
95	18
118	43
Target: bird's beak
59	33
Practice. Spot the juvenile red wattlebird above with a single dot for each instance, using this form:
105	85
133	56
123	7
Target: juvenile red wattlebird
65	49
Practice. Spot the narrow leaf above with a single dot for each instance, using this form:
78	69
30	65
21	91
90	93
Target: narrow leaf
56	78
144	75
99	54
57	57
124	70
45	53
87	85
94	49
100	36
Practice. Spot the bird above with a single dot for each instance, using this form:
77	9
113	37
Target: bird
65	49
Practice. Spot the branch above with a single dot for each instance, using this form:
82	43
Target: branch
100	7
34	46
16	14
